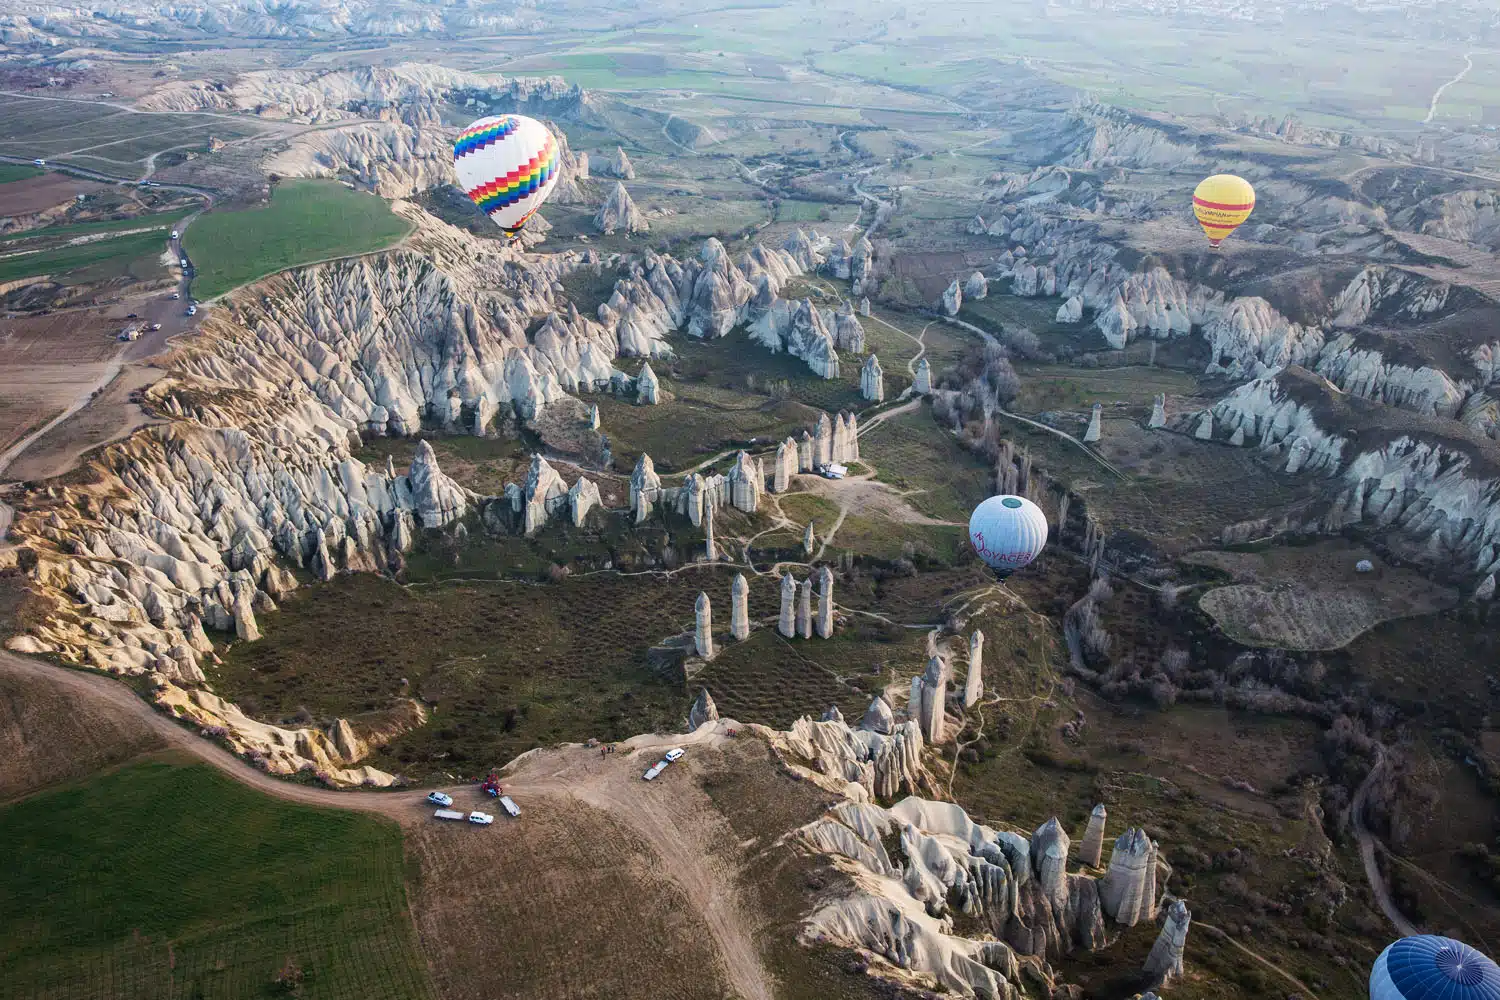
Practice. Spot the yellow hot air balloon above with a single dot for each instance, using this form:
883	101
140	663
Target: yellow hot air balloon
1221	203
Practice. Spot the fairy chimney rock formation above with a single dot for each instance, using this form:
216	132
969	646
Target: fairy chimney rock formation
704	710
645	487
594	416
977	287
1158	411
744	484
1165	961
1091	849
1486	589
807	539
786	623
583	497
785	466
872	380
1070	311
825	603
974	683
647	389
1049	859
619	214
703	634
922	382
822	442
933	700
710	550
864	307
1128	889
619	166
1091	436
953	299
804	608
739	607
805	452
1205	431
878	717
845	447
245	626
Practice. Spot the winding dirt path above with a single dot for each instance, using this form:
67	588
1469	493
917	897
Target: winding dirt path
1367	844
680	830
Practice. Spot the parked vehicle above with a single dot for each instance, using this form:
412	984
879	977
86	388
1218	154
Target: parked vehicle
656	769
440	799
128	334
511	809
155	327
448	814
174	234
674	755
184	262
481	818
39	162
175	296
192	310
132	316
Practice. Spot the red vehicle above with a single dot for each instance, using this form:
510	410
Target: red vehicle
491	785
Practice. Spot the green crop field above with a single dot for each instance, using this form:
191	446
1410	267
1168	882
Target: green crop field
165	880
51	235
306	221
16	172
135	253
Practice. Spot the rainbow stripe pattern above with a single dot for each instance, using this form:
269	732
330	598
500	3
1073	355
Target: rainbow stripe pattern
522	182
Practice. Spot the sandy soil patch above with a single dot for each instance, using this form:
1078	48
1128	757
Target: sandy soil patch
37	194
1312	597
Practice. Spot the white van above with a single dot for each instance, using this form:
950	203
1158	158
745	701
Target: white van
674	755
481	818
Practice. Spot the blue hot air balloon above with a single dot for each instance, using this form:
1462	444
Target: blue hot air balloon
1007	533
1428	967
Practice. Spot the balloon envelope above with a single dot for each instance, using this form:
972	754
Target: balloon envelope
1007	532
508	165
1428	967
1221	203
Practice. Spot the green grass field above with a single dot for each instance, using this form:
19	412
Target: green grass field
50	235
306	221
166	880
135	254
16	172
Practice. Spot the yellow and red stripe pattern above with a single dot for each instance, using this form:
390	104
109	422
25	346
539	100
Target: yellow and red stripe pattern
1221	204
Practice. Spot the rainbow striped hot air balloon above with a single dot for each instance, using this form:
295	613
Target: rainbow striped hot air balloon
508	165
1221	203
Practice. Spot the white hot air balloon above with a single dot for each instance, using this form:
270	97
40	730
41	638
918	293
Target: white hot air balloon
508	165
1007	533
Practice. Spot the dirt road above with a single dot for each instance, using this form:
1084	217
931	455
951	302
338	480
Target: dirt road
1366	841
674	818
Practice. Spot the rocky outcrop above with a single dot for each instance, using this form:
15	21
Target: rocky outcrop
703	711
952	300
786	623
922	382
618	166
619	214
1165	961
800	329
1013	889
710	549
1091	848
824	624
808	541
1070	311
1158	411
703	630
1128	890
414	93
739	608
745	484
647	388
977	287
804	609
848	334
862	763
1091	433
974	681
872	380
878	717
929	699
645	487
784	467
436	499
